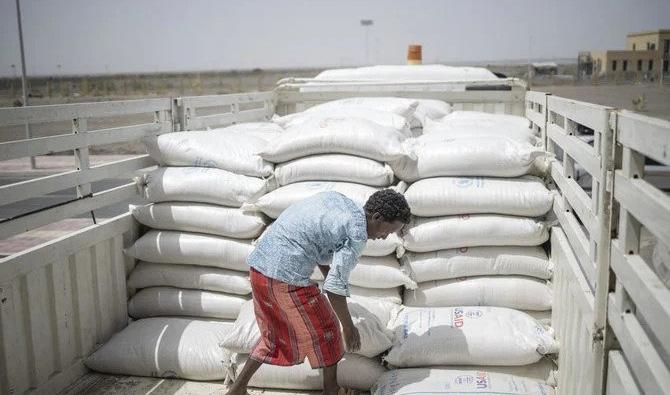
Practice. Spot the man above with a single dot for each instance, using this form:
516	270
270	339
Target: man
294	317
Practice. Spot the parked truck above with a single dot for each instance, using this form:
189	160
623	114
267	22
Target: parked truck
61	300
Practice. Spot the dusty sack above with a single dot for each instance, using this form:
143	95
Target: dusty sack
165	301
488	119
262	130
423	72
165	347
191	249
466	156
375	272
515	292
275	202
200	218
334	167
391	295
477	261
200	184
392	244
350	136
375	337
353	371
469	336
451	381
439	233
525	196
147	274
235	152
382	118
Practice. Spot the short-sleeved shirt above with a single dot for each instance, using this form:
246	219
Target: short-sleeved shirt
309	233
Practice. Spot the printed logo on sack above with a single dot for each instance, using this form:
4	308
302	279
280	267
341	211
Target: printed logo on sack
482	381
465	217
470	182
474	313
459	316
463	250
464	380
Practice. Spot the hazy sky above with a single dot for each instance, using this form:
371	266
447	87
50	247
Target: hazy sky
98	36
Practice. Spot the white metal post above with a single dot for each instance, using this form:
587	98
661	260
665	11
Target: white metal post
23	75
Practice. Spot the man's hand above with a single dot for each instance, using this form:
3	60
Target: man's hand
352	339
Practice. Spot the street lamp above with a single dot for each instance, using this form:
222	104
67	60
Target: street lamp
366	23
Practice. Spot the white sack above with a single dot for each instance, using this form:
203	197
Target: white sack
275	202
192	249
466	156
468	336
437	132
488	119
391	295
147	274
525	196
423	72
452	381
515	292
200	184
235	152
477	261
334	167
440	233
375	337
165	347
383	247
262	130
382	118
543	371
352	136
353	371
160	301
375	272
201	218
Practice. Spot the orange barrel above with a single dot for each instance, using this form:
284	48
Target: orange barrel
414	54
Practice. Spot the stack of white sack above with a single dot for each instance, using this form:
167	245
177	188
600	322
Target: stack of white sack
477	338
191	263
319	153
358	370
423	72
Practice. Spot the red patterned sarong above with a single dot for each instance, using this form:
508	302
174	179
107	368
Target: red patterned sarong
295	322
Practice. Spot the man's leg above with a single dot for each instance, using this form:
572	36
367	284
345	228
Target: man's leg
239	386
330	386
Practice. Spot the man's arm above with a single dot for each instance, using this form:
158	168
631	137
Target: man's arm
351	336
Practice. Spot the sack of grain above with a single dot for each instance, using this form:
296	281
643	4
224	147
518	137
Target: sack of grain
165	347
262	130
525	196
375	337
200	184
515	292
147	274
275	202
468	336
334	167
353	371
352	136
383	247
382	118
165	301
423	72
476	124
439	233
201	218
375	272
191	249
235	152
438	132
477	261
452	381
466	156
488	119
391	295
544	371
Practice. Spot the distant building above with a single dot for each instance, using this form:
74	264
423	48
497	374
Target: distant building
646	54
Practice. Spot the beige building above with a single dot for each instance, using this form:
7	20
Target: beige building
645	56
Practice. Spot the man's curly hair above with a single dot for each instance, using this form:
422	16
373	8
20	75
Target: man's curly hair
390	204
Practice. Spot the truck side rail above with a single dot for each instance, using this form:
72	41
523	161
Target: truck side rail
201	112
639	307
503	96
78	141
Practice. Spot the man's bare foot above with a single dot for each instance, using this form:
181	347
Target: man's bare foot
237	390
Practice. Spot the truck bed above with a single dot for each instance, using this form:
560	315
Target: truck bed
99	384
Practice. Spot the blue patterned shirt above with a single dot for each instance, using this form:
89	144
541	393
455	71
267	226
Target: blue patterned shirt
310	232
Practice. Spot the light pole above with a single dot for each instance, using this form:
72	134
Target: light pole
366	23
23	75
